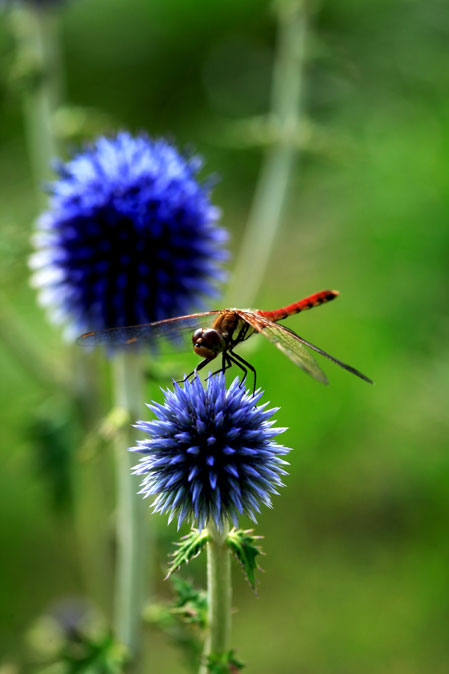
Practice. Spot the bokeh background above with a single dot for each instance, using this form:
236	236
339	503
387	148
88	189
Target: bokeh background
357	566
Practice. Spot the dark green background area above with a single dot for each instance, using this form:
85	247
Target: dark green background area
357	568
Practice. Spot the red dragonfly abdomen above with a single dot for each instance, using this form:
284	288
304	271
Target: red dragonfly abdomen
307	303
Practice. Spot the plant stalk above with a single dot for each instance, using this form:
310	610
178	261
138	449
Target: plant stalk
132	511
39	61
38	53
219	593
269	198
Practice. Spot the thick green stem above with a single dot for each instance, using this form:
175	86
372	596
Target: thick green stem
265	215
132	511
219	593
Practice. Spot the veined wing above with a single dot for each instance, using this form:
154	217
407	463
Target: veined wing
294	347
317	349
170	329
287	342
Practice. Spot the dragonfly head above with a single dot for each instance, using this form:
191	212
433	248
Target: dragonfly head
207	343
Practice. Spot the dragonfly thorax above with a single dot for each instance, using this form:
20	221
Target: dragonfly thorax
208	343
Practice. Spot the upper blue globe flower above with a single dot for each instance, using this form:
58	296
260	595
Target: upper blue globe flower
210	453
130	237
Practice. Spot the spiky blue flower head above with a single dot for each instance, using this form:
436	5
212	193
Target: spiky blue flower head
130	237
210	453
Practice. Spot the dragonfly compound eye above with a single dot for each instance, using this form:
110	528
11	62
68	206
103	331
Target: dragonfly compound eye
196	337
207	343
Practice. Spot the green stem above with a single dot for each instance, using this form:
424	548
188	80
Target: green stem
38	58
131	508
266	210
15	338
219	593
38	50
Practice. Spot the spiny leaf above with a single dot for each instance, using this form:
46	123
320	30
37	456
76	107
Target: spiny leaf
103	654
243	545
191	604
189	607
183	621
223	663
189	547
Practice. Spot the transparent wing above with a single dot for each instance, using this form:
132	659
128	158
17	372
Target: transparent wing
294	347
317	349
170	329
287	342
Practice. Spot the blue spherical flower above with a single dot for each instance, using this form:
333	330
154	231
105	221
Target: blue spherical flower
130	237
210	453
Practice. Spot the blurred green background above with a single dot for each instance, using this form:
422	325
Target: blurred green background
357	567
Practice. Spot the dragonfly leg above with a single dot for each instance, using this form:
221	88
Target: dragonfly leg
194	372
243	364
245	371
226	363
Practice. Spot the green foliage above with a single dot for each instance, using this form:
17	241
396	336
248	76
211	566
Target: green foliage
243	545
51	435
191	603
225	663
184	620
76	652
189	546
101	656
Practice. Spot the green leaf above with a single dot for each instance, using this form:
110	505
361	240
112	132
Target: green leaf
183	621
191	603
102	655
189	547
224	663
243	545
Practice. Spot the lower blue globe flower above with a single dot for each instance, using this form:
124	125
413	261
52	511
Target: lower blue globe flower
210	453
130	237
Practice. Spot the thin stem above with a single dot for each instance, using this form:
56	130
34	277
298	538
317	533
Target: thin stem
38	49
14	336
265	214
37	54
132	510
219	592
38	57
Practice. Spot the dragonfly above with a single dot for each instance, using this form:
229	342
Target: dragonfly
219	332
